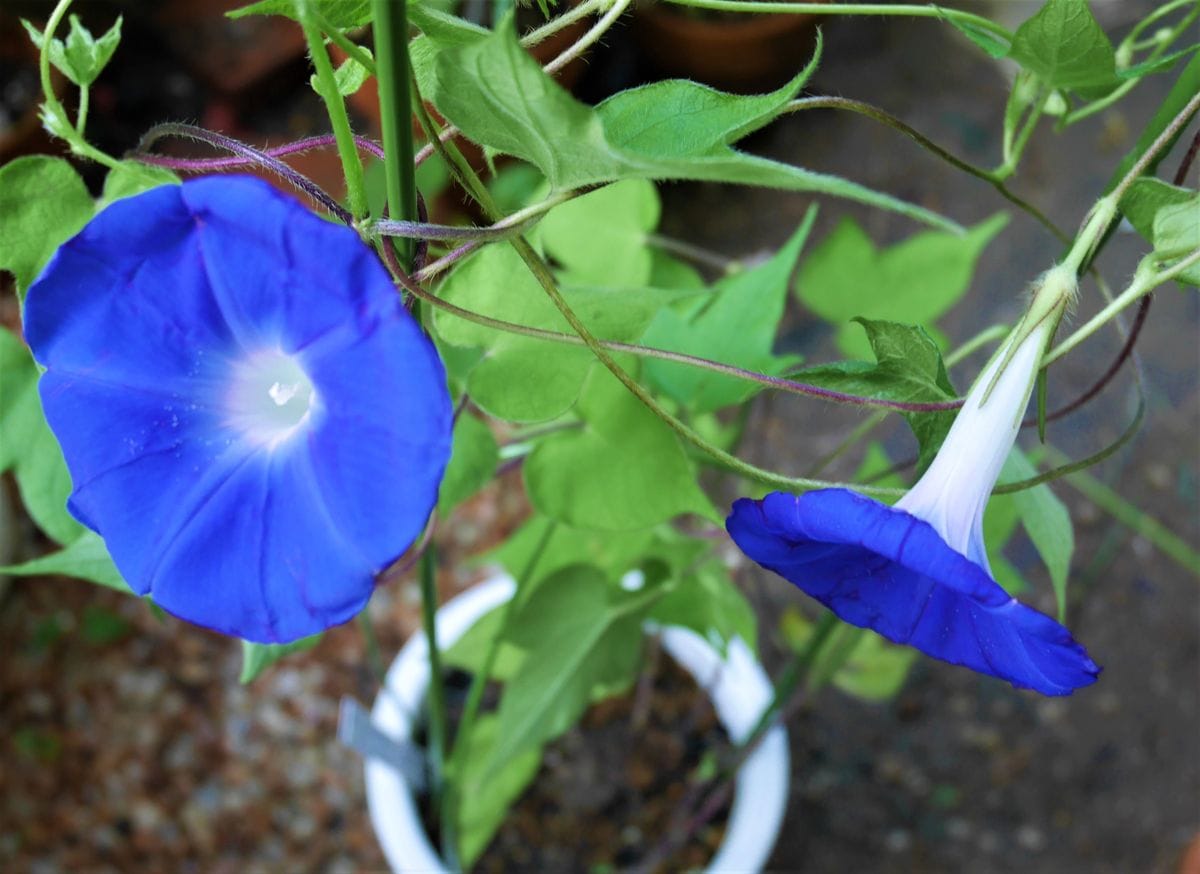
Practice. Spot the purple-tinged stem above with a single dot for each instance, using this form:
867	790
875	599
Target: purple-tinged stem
249	153
774	382
426	231
1126	350
1139	320
457	254
322	141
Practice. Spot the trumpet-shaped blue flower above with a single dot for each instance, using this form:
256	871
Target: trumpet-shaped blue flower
251	419
917	572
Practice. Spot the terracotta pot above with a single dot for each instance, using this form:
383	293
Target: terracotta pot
737	685
744	54
230	55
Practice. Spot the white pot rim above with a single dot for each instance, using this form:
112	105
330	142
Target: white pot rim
737	685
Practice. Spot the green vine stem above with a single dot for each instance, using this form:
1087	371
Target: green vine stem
1160	143
593	35
81	112
773	382
339	121
1157	47
343	42
1144	282
989	176
1169	543
436	697
506	227
395	108
462	745
558	22
54	115
693	253
987	335
1014	150
905	9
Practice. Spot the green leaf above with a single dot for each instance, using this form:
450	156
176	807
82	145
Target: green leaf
709	602
43	203
856	660
1158	65
342	14
908	368
28	447
1168	216
578	632
1177	234
1066	48
131	177
876	669
1047	522
481	813
985	39
667	271
472	462
522	379
348	77
1146	197
600	238
623	470
81	57
913	281
490	87
469	652
615	553
506	101
257	657
85	558
99	626
737	325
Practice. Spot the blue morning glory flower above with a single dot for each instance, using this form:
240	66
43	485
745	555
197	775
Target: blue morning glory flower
917	573
252	421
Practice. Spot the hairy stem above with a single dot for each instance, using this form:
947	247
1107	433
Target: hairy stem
924	142
250	154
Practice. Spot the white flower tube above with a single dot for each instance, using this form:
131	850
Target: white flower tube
952	494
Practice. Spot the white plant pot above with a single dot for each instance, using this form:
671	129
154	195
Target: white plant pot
738	687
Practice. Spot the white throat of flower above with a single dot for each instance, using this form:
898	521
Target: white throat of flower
270	398
952	494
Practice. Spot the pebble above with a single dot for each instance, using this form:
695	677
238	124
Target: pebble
958	829
145	815
1159	475
898	840
989	842
1031	838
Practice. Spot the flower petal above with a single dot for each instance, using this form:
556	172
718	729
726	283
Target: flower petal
382	444
273	286
879	567
135	270
172	328
274	568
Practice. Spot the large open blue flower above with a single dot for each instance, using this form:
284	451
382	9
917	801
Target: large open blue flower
917	573
252	420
